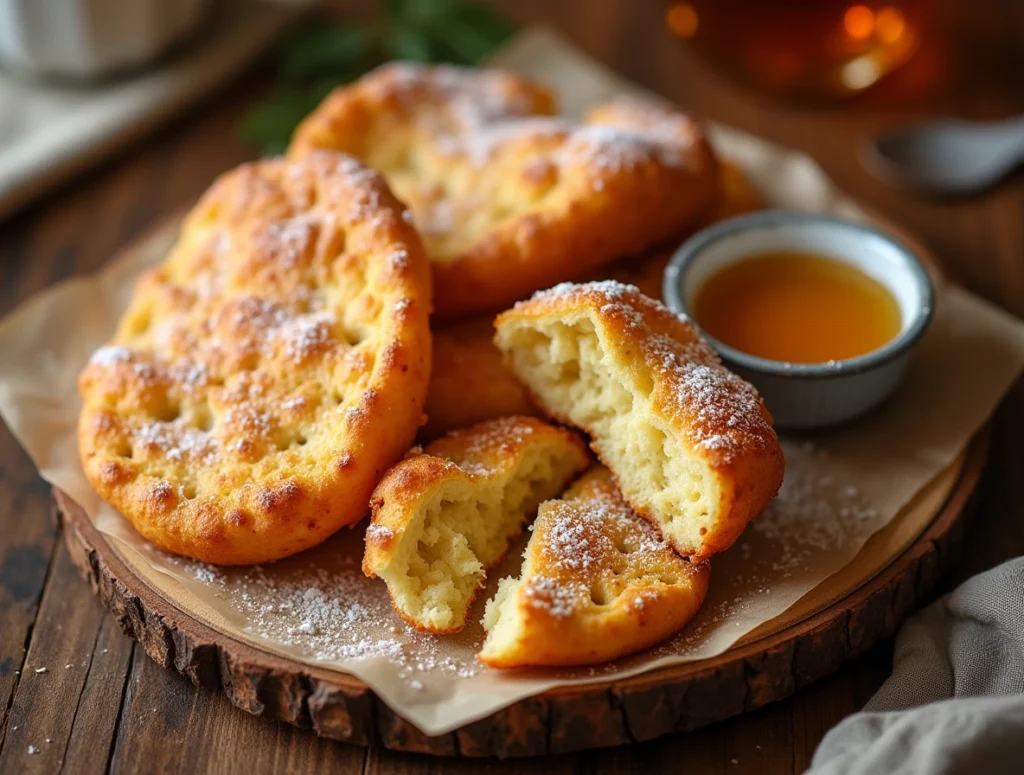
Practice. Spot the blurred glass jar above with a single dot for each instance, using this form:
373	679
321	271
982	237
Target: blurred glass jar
803	49
92	38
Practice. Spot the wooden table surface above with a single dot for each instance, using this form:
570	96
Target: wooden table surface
87	700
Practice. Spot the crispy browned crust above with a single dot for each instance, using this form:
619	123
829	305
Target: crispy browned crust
720	416
598	583
488	451
508	204
470	382
270	370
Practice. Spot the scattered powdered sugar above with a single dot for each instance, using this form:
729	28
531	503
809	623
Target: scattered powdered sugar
110	354
480	146
557	598
671	129
321	605
288	240
398	259
381	532
580	534
245	424
258	314
813	513
493	440
725	411
612	290
567	538
295	402
305	335
474	97
610	150
178	440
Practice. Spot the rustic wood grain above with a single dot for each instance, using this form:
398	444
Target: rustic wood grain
63	652
74	230
29	542
563	720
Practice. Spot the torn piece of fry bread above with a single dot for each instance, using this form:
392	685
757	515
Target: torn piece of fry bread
441	519
597	582
691	444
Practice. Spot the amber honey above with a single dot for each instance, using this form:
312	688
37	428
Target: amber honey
797	307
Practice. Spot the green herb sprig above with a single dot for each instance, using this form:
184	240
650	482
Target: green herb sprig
319	55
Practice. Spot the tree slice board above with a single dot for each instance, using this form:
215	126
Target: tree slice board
896	572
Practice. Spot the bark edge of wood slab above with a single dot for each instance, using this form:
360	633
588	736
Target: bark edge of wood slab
673	699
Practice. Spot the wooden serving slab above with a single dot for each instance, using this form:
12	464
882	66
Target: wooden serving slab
896	572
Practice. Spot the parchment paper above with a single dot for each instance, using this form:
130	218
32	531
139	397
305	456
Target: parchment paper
840	487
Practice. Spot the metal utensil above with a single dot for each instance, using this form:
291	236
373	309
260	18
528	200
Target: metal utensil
948	157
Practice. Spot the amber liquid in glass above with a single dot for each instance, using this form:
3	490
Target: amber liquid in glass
797	307
807	49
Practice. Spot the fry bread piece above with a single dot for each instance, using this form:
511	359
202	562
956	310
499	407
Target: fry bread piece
691	445
270	370
508	199
597	582
441	519
470	382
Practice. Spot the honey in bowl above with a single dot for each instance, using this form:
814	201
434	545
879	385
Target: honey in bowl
797	307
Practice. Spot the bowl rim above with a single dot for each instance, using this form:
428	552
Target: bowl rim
686	255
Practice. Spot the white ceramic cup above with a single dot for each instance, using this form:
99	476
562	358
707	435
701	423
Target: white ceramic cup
811	395
92	38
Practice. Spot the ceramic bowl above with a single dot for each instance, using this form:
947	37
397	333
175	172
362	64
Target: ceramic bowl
800	395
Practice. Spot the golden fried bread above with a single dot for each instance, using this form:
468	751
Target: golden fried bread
737	195
509	202
597	582
441	519
690	444
266	375
470	382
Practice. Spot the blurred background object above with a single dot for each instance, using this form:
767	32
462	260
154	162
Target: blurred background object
81	78
324	53
56	118
804	49
948	157
92	38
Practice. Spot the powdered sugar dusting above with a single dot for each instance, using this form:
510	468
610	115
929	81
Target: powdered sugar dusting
321	606
305	335
177	441
611	290
560	599
606	150
723	411
110	355
814	512
579	535
474	97
379	532
477	449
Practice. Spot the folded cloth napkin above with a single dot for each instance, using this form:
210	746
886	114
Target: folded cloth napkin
955	701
